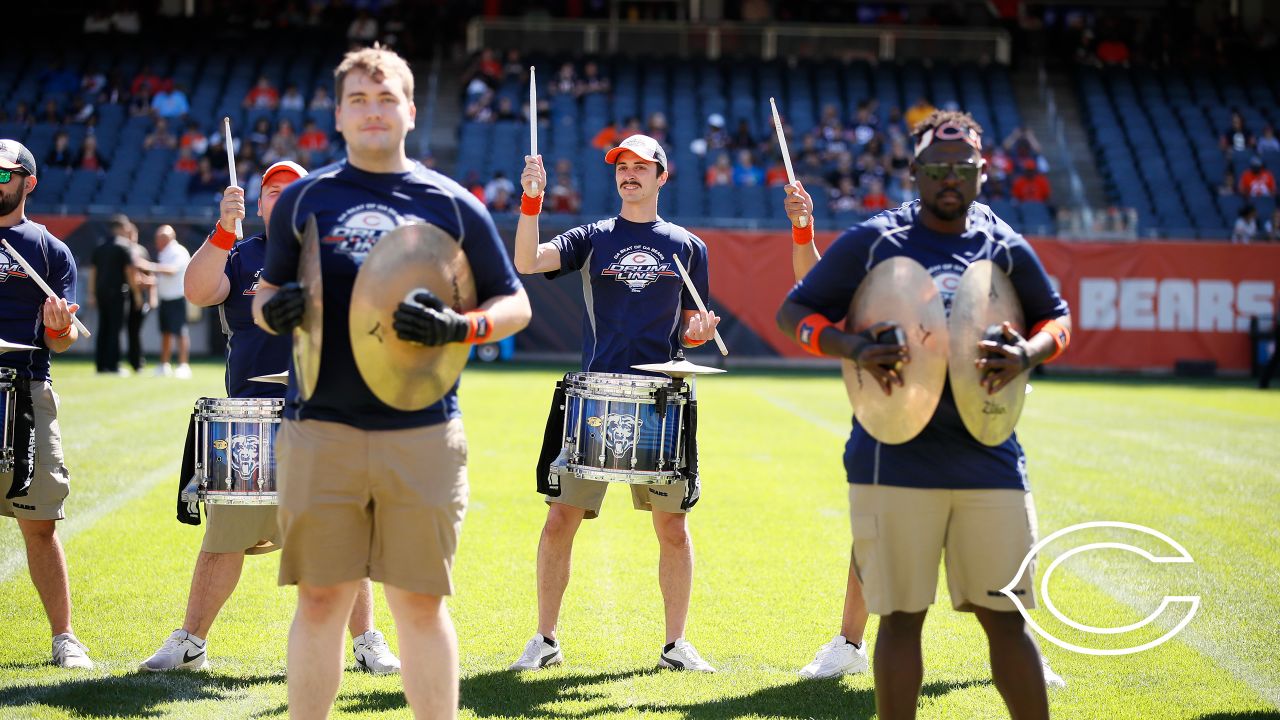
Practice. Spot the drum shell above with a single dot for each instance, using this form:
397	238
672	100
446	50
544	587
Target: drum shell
614	433
8	406
235	450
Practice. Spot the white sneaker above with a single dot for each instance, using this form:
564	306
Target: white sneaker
164	370
682	656
538	653
1051	678
373	655
183	372
838	657
68	652
182	651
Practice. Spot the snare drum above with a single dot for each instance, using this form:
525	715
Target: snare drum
8	397
235	450
624	428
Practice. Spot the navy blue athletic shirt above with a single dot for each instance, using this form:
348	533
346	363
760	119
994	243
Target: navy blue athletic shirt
634	294
22	300
353	209
250	351
944	454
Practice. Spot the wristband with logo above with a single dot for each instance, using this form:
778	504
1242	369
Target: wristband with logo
479	327
809	332
1061	336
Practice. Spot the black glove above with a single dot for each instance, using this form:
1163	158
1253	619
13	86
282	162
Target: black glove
426	320
283	312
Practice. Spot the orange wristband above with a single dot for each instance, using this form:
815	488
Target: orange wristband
802	235
809	331
530	205
58	333
691	343
1061	336
479	327
220	238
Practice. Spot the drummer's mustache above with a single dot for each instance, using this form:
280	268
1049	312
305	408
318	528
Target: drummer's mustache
629	181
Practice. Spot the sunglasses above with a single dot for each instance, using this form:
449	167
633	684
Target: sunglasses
967	172
6	174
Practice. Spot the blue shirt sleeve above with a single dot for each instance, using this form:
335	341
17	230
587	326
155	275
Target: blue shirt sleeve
1039	300
62	270
575	247
699	273
494	274
229	268
829	287
283	246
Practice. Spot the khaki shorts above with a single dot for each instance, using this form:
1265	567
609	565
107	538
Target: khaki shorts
899	535
250	529
380	504
589	495
39	479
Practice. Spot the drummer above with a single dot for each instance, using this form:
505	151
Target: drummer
942	489
638	312
225	273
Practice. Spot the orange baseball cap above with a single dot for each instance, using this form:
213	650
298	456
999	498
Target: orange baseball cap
284	166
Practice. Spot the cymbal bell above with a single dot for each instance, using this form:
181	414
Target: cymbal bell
280	377
309	336
6	346
678	368
984	298
404	375
901	291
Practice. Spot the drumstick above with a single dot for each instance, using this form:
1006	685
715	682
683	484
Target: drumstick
31	273
231	166
786	158
697	299
533	120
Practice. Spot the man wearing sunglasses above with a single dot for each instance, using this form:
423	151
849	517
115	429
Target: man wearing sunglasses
37	484
942	490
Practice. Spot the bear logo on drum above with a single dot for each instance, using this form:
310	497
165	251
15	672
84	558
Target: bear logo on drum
620	432
244	457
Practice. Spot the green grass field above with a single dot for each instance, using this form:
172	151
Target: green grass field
1199	462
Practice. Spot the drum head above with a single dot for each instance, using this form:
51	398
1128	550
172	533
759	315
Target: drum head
984	297
899	290
404	375
308	337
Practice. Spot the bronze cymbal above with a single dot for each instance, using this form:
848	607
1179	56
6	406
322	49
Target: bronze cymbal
401	374
281	377
678	368
308	337
899	290
984	297
6	346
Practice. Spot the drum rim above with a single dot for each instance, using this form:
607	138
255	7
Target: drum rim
618	379
231	497
653	477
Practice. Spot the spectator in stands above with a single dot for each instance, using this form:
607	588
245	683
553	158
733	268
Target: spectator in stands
900	188
284	144
898	158
140	105
844	170
160	137
320	99
363	30
1246	227
918	112
1257	181
89	157
206	185
170	103
875	198
262	95
657	127
186	162
1031	186
865	124
486	68
1228	184
500	201
716	137
776	174
745	172
1237	137
313	145
22	114
514	69
844	197
292	100
500	182
92	83
808	168
1267	142
1024	148
481	109
564	194
592	81
80	112
61	155
194	139
742	138
565	81
720	172
869	169
259	136
146	82
50	114
505	111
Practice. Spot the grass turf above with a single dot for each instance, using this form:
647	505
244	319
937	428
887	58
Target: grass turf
1196	461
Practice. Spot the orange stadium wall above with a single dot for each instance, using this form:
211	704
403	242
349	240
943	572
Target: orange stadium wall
1136	306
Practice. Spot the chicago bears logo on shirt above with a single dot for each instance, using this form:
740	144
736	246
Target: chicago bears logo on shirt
638	267
9	266
947	278
359	228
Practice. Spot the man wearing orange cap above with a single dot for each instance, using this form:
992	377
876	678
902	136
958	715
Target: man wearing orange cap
225	273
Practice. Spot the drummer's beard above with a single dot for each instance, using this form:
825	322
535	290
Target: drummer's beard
946	214
10	202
